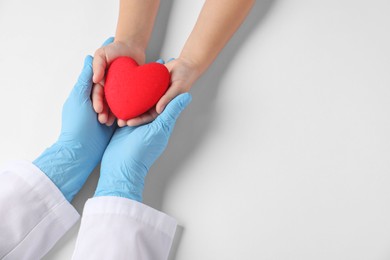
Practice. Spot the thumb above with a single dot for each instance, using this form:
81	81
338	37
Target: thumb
174	109
85	77
84	82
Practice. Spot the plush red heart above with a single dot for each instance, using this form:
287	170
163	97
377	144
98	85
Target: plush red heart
131	90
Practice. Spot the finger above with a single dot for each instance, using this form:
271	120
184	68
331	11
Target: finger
111	119
144	118
84	82
161	61
108	41
168	96
99	65
174	108
121	122
98	98
85	77
103	116
169	65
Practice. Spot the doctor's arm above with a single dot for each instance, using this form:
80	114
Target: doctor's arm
35	209
115	223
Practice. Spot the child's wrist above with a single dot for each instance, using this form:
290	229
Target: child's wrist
136	49
194	66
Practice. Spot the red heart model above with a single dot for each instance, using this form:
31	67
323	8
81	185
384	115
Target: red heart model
131	90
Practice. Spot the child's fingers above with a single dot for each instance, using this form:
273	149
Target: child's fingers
99	65
170	64
145	118
121	123
135	121
103	116
168	96
111	119
98	98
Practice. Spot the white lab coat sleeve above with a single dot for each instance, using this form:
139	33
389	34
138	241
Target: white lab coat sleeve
34	214
120	228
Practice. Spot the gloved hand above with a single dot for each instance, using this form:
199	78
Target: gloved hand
81	144
133	150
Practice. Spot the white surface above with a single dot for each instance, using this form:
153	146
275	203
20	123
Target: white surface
284	152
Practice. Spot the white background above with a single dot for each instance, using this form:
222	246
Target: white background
284	152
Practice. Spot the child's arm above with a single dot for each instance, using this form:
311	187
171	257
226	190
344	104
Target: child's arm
134	28
217	22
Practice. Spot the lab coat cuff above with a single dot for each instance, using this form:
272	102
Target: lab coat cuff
58	217
135	210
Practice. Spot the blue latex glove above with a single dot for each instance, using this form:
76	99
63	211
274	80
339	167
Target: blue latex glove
81	144
133	150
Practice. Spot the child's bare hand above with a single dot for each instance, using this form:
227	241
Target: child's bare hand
102	59
183	74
